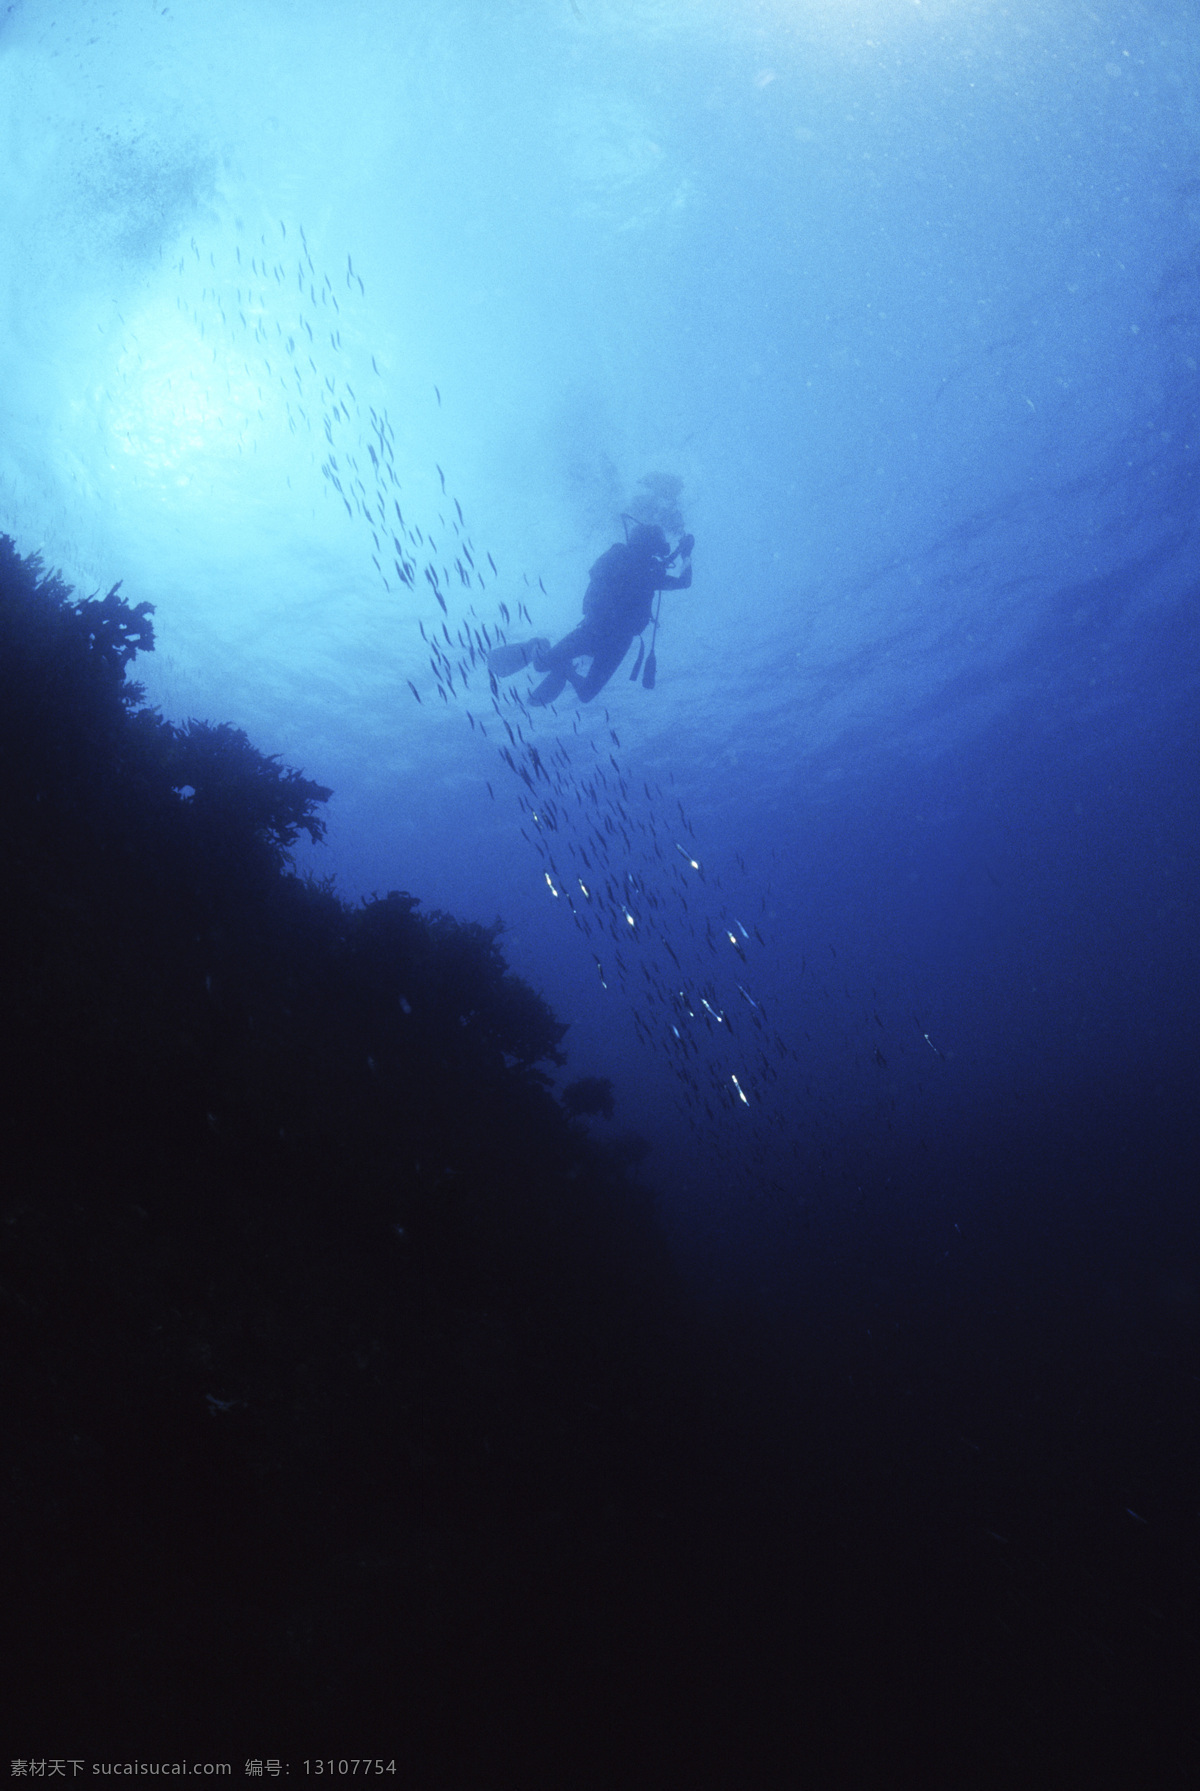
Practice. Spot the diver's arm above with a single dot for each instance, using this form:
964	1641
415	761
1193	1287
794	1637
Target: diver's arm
684	581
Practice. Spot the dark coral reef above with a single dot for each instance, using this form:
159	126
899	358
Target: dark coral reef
333	1345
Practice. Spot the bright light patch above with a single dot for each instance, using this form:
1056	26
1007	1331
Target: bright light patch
185	404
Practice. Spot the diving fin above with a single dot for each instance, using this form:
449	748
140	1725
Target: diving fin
504	661
651	671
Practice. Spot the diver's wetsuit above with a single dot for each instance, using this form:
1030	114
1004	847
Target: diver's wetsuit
616	608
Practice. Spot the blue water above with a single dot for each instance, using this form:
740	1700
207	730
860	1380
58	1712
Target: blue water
906	295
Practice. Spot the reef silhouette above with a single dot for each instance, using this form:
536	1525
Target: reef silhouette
323	1299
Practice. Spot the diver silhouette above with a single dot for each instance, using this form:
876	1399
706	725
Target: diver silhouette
617	606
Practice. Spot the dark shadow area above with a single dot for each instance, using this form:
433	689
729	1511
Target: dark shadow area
352	1405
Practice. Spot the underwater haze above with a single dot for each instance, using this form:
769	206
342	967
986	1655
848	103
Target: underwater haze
315	316
906	298
350	337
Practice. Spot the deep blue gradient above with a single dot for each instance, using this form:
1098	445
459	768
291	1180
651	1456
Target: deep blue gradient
907	296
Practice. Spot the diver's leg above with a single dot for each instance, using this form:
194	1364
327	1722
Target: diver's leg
557	665
605	661
548	691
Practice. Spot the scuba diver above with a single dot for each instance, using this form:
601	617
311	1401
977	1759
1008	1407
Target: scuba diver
618	604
